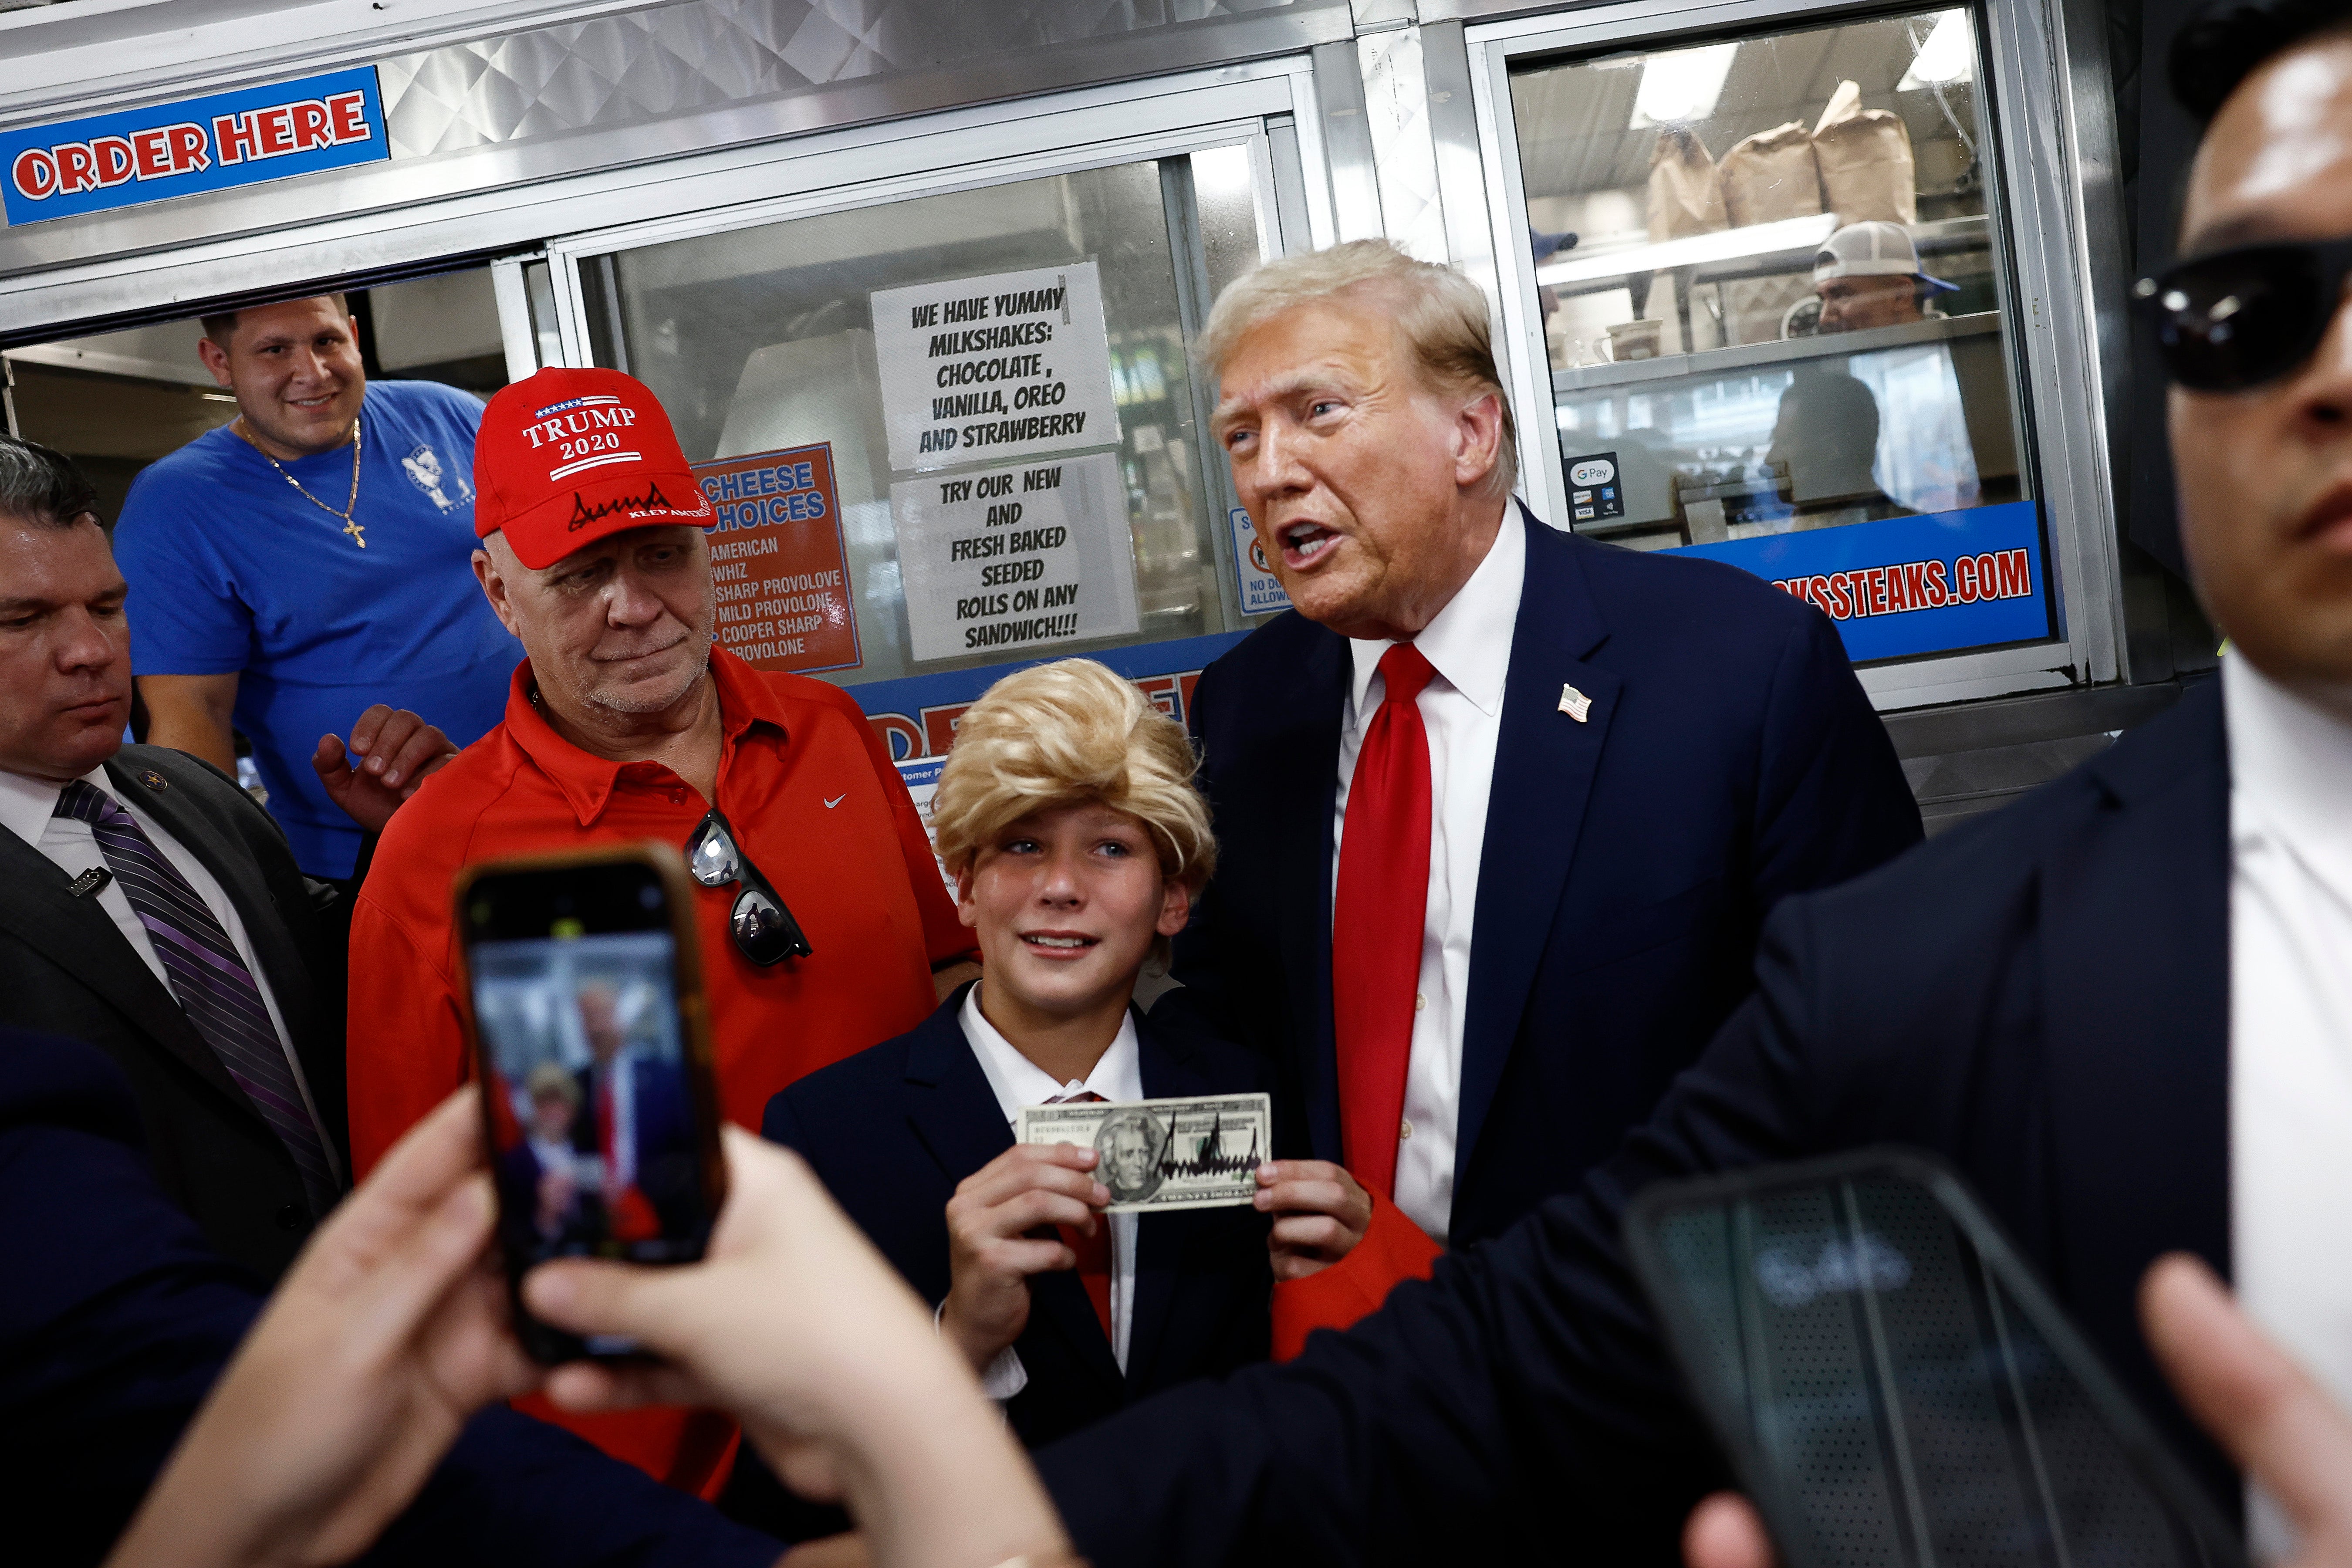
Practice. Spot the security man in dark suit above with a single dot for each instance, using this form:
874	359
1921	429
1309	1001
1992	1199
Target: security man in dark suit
149	906
2117	1008
1503	808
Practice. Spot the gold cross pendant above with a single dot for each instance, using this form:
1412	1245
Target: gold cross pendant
354	529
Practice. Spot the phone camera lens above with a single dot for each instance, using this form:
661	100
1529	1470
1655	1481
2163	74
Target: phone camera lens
649	896
564	904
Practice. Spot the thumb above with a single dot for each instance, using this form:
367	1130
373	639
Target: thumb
327	760
586	1297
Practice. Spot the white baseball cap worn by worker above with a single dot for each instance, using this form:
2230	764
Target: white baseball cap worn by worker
1874	250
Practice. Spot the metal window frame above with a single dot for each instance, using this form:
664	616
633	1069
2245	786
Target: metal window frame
1276	125
2051	324
415	228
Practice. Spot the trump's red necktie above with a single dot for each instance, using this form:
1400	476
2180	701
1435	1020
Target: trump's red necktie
1094	1251
1377	917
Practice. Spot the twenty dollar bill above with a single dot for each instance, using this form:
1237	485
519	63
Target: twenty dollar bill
1165	1153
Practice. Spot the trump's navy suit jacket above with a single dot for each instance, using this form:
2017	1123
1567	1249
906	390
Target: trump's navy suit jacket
1729	758
2039	996
894	1129
116	1315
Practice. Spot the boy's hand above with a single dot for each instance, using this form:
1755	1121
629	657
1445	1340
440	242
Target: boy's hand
1320	1212
990	1249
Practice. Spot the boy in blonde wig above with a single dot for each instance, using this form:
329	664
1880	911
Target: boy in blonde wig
1067	814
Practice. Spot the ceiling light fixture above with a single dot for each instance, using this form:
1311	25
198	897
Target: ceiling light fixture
1681	87
1946	55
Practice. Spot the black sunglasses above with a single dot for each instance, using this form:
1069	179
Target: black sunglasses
763	930
2239	318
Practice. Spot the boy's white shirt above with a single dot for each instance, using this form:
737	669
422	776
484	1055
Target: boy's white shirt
1018	1081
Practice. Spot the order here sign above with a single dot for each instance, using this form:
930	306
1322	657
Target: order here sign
229	139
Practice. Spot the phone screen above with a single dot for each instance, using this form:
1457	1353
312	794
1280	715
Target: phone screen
599	1132
1895	1388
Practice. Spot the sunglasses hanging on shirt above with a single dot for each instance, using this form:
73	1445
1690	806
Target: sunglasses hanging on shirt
763	929
2240	319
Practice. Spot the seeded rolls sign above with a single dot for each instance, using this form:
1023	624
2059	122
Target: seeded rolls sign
1021	557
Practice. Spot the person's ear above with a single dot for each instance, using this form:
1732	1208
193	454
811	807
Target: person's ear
1477	440
215	360
494	589
1175	906
966	910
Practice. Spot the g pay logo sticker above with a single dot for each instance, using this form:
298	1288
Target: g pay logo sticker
1593	471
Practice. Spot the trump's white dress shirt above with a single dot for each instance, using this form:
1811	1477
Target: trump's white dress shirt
1469	645
1018	1081
2291	1031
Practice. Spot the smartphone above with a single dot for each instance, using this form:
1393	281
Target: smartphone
1893	1385
592	1044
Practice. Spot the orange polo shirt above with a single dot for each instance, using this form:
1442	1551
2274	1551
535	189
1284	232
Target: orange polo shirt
813	800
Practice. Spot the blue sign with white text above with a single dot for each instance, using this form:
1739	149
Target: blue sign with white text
1907	586
215	143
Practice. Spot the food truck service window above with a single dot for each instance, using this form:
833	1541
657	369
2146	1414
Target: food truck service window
953	432
1767	295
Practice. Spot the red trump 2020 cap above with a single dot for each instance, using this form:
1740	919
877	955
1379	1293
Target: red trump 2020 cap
567	457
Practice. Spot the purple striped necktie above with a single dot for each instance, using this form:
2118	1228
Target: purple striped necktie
211	982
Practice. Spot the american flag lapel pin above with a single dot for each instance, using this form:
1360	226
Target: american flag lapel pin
1575	703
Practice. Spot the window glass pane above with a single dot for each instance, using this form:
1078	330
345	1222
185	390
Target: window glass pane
766	339
1772	299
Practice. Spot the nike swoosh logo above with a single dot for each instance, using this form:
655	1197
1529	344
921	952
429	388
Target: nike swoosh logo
836	800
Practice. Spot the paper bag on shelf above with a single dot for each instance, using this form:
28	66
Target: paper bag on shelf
1770	176
1864	155
1685	197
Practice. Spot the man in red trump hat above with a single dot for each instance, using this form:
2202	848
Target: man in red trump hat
624	722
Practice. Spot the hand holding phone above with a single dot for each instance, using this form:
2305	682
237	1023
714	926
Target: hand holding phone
593	1053
1893	1385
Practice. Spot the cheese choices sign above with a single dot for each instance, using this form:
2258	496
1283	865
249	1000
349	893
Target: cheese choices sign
778	565
243	137
979	370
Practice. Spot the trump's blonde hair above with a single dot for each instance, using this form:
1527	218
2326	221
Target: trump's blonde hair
1440	315
1071	733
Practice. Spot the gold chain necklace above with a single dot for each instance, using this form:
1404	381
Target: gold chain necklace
357	529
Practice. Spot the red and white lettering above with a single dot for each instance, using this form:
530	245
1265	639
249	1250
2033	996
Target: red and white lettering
1936	590
187	148
151	150
939	728
1161	691
77	172
1964	580
274	128
233	138
2014	574
898	735
34	174
1184	684
311	126
114	157
348	114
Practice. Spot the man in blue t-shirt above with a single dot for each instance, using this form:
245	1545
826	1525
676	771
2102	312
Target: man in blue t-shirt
309	559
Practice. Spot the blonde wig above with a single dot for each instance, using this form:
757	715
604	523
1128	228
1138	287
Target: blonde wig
1071	733
1440	315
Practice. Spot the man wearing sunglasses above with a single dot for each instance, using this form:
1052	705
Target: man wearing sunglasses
823	918
2121	1008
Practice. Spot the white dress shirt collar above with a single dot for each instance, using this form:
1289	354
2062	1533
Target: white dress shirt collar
2290	760
1018	1081
1469	641
27	804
